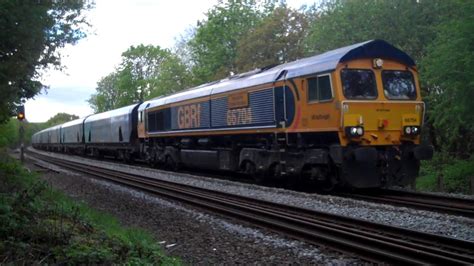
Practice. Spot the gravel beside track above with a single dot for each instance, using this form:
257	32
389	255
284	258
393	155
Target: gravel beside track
425	221
196	237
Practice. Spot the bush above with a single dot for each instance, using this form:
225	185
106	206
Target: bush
455	173
39	225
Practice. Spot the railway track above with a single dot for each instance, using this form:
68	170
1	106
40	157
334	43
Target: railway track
426	201
371	241
417	200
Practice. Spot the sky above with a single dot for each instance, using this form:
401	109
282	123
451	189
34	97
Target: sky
116	25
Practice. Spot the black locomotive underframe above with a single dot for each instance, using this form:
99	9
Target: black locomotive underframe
300	156
305	157
380	166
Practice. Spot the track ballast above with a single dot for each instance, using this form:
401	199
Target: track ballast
372	241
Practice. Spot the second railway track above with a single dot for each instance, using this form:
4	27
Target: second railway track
425	201
372	241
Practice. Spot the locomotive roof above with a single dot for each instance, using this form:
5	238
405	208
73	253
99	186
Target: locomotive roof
325	62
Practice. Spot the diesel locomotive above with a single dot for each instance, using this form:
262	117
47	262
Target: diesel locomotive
350	117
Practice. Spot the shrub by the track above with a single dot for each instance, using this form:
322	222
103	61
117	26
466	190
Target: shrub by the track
40	225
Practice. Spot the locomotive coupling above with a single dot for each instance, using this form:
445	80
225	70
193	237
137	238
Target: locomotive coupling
363	154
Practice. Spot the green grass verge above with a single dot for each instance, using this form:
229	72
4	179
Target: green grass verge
455	174
41	225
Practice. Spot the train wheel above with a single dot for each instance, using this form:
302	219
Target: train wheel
171	164
249	168
329	184
97	154
320	176
151	159
127	157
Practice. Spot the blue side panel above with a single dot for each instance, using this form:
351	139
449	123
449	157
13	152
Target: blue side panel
259	112
205	115
219	112
284	105
174	118
279	105
262	107
290	106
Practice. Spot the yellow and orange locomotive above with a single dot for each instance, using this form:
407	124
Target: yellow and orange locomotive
348	117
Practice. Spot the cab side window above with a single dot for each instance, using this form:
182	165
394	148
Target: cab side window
319	88
312	89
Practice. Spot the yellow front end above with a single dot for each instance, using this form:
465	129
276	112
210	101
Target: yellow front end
383	122
368	105
381	115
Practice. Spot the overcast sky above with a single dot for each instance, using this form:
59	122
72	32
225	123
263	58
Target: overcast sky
116	25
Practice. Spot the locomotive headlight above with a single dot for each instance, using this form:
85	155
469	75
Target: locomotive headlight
377	63
407	130
411	130
354	131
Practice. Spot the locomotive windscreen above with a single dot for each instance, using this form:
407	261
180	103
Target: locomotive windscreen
359	84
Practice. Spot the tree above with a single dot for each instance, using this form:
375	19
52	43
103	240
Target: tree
107	94
140	68
145	72
214	45
173	76
407	24
30	41
9	134
277	39
448	69
60	118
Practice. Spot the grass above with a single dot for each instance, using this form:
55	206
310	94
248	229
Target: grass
455	174
41	225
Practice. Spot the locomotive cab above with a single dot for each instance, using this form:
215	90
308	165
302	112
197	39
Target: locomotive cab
381	119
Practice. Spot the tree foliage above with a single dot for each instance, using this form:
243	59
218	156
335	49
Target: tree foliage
448	69
9	133
275	40
407	24
145	72
107	94
31	35
214	45
10	130
60	118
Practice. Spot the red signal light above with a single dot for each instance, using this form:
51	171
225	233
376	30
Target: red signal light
20	113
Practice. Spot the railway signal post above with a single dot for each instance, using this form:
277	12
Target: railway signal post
21	116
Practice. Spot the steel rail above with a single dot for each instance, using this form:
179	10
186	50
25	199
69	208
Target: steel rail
376	242
425	201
